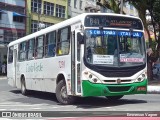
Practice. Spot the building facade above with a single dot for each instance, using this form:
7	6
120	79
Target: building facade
127	8
130	9
43	13
75	7
91	6
12	24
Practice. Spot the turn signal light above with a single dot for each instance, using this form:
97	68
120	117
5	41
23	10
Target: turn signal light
141	89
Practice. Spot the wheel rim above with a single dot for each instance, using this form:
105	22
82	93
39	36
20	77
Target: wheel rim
64	92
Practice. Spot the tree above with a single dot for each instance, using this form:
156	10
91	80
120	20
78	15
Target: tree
155	12
113	5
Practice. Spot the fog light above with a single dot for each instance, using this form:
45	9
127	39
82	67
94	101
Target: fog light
139	79
95	80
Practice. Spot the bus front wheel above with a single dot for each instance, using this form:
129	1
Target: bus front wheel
61	94
113	98
23	86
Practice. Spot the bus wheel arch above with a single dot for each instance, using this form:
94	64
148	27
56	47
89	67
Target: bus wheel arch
61	91
60	77
23	85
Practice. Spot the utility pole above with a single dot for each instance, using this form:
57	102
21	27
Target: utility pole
39	16
40	24
121	10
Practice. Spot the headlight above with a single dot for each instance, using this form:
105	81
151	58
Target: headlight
92	78
141	77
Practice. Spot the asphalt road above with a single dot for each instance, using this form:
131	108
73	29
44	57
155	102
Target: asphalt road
12	100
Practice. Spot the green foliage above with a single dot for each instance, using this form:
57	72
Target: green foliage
156	11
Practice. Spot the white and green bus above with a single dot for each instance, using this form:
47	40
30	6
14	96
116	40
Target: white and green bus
93	54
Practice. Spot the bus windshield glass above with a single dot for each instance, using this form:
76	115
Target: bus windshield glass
114	48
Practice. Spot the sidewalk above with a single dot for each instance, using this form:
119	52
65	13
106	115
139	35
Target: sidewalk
153	86
3	77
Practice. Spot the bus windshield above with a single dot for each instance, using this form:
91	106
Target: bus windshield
114	48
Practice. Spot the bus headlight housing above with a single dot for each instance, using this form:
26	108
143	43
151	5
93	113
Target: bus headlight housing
92	78
141	77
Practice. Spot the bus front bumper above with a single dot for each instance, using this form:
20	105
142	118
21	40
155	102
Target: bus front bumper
92	89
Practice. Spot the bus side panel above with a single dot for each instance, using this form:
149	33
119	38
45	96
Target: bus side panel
53	67
10	74
41	74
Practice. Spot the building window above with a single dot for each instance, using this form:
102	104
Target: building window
18	19
36	6
69	2
48	8
0	16
60	11
80	5
47	24
131	7
75	3
34	26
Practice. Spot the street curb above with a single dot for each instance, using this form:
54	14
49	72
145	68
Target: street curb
153	89
3	78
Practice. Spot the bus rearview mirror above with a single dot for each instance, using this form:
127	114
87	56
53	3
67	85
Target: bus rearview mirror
80	38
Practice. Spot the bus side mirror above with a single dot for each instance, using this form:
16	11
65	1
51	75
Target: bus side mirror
80	38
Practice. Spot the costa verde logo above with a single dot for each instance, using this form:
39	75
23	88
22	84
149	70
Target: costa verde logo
34	67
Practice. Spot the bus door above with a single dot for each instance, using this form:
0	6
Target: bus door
75	65
15	64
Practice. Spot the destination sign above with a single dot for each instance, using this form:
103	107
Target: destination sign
114	32
112	21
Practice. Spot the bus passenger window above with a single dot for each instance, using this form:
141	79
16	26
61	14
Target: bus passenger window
31	49
39	47
22	51
50	44
63	44
10	55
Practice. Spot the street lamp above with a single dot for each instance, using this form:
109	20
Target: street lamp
40	25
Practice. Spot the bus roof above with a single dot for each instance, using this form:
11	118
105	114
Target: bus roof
64	23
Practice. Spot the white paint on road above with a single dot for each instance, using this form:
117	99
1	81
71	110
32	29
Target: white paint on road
107	107
3	109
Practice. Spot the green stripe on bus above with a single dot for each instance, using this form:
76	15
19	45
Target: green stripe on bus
92	89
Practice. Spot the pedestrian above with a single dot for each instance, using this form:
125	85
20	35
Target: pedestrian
149	64
3	69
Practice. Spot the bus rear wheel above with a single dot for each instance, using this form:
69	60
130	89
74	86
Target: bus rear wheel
61	94
114	98
23	86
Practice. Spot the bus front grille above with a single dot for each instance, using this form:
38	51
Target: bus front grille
118	74
118	89
115	81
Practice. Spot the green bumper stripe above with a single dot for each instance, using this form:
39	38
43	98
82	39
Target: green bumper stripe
92	89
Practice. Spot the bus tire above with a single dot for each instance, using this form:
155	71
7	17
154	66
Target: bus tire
61	94
114	98
23	86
